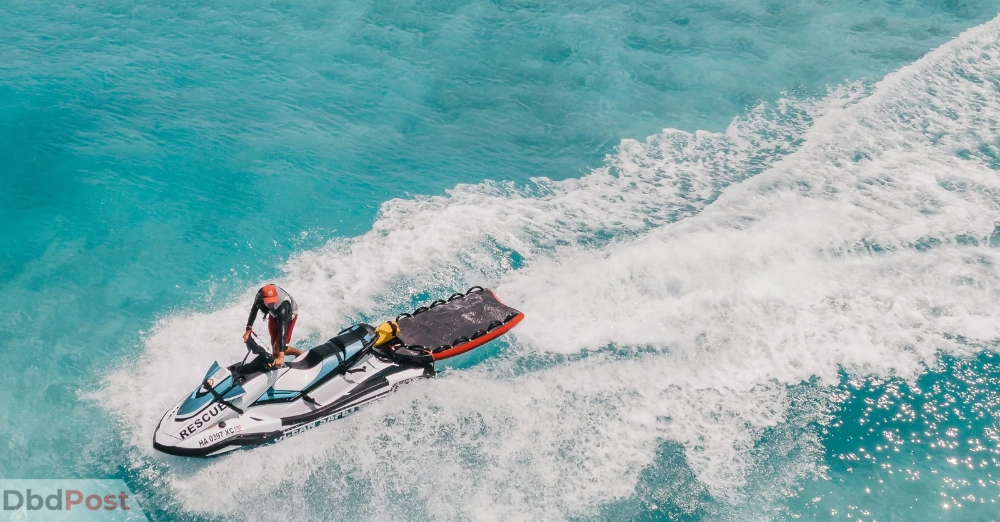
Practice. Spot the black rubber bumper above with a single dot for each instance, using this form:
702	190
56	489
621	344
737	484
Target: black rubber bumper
239	440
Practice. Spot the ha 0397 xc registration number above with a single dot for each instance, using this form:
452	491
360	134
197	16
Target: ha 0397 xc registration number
223	433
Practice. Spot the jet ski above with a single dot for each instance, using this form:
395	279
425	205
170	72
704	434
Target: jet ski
249	403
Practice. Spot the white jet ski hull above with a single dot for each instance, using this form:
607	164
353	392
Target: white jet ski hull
251	404
217	428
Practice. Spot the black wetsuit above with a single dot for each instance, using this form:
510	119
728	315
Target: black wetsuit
281	315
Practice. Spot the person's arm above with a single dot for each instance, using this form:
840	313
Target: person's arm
253	312
252	318
284	330
278	349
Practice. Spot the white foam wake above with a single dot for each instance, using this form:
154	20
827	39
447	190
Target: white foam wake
858	240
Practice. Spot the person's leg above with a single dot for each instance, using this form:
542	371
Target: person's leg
289	349
272	329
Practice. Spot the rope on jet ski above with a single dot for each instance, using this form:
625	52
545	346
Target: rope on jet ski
211	389
491	327
439	302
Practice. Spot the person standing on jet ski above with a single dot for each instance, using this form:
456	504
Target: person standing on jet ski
282	312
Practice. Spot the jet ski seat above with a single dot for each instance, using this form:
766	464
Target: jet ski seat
363	333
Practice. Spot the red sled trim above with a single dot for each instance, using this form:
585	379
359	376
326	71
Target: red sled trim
476	343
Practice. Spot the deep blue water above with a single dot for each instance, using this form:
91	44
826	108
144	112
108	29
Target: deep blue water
159	161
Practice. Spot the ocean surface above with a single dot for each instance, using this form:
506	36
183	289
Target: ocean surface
756	243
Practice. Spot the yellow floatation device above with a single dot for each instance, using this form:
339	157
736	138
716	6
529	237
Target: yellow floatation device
386	332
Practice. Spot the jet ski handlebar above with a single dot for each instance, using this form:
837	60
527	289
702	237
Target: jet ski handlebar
259	350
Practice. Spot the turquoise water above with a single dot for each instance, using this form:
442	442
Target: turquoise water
779	307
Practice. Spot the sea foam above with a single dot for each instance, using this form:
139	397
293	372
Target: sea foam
679	294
